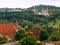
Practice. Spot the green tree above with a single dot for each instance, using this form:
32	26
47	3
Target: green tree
3	40
43	35
51	30
53	38
28	40
20	34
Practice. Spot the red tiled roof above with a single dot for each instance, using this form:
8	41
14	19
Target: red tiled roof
8	29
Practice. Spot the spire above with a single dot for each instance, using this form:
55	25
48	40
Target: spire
35	10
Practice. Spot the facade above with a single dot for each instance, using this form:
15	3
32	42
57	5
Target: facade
43	11
35	10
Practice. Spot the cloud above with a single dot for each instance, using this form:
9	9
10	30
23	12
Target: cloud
27	3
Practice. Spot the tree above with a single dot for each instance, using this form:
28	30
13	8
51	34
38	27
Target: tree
3	40
53	38
28	40
28	27
43	35
51	30
20	34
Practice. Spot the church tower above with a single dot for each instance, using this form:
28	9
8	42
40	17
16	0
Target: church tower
45	12
35	10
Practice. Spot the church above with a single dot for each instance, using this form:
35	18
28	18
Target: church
42	12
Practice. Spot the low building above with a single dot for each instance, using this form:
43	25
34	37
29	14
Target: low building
8	30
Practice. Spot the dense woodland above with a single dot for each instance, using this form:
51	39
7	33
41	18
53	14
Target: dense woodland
29	16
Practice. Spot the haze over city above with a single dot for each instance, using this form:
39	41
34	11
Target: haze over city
27	3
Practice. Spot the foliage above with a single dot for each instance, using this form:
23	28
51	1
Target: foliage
29	15
57	33
20	34
24	23
55	36
51	30
27	18
43	35
3	40
28	40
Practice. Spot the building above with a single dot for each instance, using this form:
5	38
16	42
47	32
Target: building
14	10
35	10
42	12
8	30
45	12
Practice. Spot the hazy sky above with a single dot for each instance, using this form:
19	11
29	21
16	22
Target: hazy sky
27	3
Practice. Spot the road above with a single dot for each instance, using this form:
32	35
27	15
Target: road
12	43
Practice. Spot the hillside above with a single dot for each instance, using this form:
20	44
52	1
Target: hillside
11	14
39	7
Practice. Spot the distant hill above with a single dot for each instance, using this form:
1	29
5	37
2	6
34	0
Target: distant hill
11	14
10	9
39	7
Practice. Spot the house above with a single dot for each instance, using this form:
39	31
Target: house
8	30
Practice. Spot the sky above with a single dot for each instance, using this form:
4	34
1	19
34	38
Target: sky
27	3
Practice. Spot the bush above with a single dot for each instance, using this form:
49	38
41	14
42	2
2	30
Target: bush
20	34
19	44
43	35
53	38
29	40
3	40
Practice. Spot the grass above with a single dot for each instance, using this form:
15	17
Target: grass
57	23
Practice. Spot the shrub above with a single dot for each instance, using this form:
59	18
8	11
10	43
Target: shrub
43	35
20	34
53	38
3	40
28	40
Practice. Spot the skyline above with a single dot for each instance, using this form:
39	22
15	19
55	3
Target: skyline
27	3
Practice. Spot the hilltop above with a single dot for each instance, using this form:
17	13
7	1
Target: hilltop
39	7
8	15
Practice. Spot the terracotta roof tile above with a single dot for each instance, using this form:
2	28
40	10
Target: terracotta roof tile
8	29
